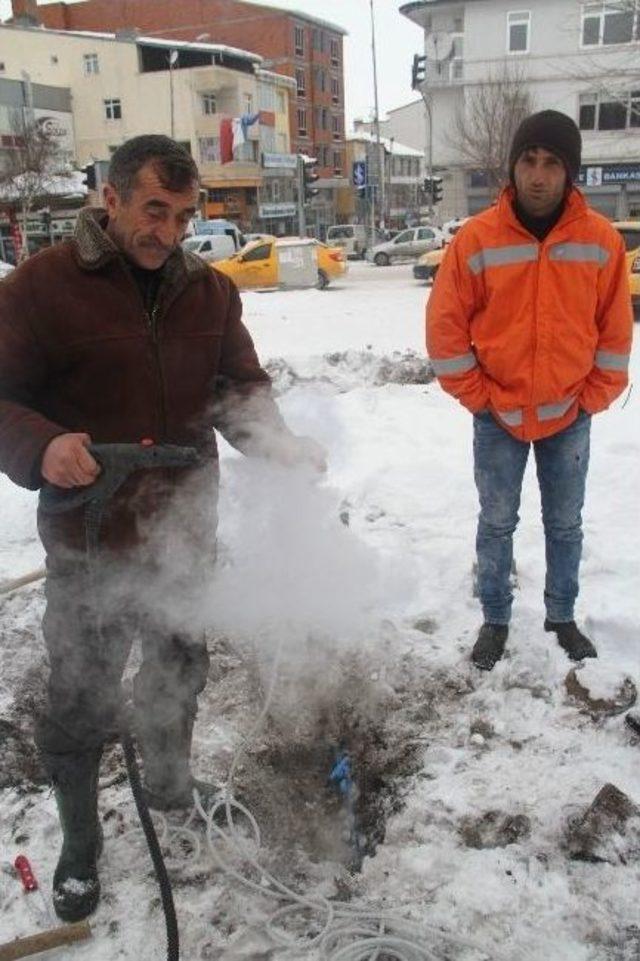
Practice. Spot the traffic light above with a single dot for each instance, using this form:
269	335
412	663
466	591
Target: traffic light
90	180
418	71
433	189
309	176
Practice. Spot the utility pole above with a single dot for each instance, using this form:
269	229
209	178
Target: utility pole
379	148
427	106
302	220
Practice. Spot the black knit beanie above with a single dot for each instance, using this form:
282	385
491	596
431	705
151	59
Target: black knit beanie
555	132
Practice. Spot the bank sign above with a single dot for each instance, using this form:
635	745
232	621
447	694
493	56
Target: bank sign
605	174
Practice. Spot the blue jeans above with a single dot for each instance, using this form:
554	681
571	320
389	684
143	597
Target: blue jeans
562	461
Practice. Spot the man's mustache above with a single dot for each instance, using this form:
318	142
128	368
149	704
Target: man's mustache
151	243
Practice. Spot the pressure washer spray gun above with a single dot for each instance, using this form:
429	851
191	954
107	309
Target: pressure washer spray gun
117	462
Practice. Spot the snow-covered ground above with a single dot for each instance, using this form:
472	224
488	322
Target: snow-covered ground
363	583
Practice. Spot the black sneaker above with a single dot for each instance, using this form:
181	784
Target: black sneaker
489	647
571	639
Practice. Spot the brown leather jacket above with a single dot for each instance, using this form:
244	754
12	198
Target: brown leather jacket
78	352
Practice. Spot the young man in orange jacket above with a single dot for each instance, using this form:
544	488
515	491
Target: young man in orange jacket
529	326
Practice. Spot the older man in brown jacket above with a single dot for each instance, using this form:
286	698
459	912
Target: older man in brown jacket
120	336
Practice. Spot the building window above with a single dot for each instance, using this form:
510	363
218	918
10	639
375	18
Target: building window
324	118
209	103
609	23
113	109
275	191
458	24
518	26
321	80
248	103
335	90
337	162
457	59
301	83
54	59
335	52
336	128
247	152
606	112
298	41
209	148
267	139
302	123
91	64
319	41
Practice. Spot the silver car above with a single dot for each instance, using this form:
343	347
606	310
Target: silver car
407	245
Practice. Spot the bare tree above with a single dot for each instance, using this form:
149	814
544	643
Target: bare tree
484	127
27	167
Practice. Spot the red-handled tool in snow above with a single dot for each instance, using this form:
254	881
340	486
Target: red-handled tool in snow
28	878
54	936
30	884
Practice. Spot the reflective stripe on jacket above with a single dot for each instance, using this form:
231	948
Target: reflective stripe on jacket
532	330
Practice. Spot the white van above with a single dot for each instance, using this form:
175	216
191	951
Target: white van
351	237
210	247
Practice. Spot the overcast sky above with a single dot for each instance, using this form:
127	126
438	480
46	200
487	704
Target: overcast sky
397	39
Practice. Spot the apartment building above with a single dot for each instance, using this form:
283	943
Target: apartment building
403	169
307	49
582	58
120	86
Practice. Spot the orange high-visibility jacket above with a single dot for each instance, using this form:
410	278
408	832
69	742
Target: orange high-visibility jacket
532	330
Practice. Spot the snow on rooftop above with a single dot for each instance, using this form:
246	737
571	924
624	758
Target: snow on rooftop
168	43
390	145
56	185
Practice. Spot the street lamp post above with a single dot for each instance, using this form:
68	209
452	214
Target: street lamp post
379	149
173	59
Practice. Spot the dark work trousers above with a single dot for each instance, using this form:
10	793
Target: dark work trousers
93	614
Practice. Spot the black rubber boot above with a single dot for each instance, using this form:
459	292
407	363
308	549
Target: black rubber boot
168	781
76	888
571	639
490	645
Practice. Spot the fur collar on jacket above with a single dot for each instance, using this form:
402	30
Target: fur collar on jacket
94	248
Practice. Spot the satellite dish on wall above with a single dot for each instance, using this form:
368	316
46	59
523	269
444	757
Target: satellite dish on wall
438	46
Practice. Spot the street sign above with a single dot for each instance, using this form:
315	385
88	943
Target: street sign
359	175
602	175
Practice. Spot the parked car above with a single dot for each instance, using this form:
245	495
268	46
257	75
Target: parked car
273	262
332	263
218	227
352	238
427	266
630	233
210	247
5	269
408	245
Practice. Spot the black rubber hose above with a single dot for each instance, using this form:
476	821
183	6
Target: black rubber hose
173	937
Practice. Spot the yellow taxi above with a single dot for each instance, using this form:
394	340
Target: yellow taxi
630	232
283	262
332	263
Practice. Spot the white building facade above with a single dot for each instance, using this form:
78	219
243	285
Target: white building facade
582	58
